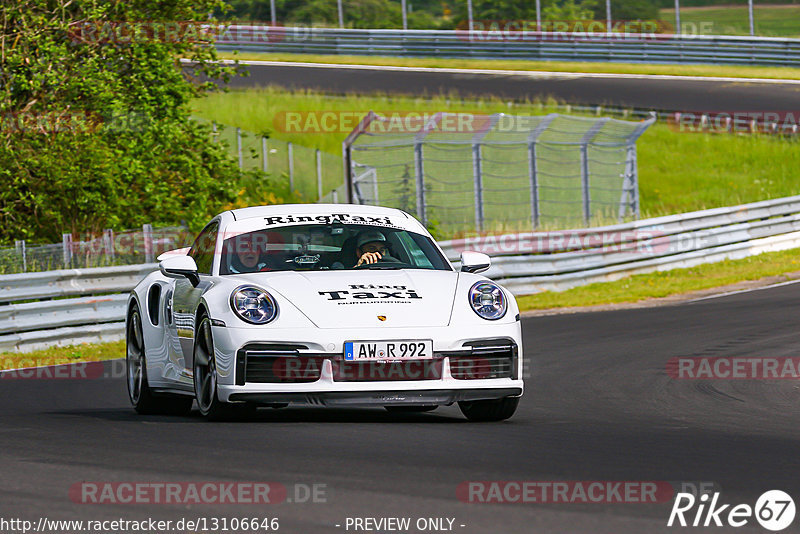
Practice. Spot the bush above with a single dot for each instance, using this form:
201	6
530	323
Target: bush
95	118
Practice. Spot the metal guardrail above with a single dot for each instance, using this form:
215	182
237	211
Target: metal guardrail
561	46
556	261
94	309
34	312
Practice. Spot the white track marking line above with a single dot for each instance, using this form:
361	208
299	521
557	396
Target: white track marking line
523	73
750	290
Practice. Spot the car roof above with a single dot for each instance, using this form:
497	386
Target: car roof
303	209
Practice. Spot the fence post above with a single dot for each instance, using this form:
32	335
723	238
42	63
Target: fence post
627	199
635	181
319	175
239	146
347	168
477	169
290	153
66	249
420	179
23	253
335	196
533	170
214	134
477	177
585	192
264	162
587	209
147	233
632	168
534	180
108	244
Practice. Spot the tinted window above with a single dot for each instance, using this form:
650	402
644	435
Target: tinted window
319	247
203	248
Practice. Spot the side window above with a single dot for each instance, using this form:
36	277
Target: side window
203	248
418	257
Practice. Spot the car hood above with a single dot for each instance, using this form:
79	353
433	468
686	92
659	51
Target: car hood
370	298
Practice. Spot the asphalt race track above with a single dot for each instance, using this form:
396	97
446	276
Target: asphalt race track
598	406
661	93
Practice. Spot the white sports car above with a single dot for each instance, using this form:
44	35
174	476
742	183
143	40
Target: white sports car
325	305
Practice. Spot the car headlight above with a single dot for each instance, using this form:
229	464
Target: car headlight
254	305
488	300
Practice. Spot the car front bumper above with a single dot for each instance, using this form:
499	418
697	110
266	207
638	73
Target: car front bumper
329	388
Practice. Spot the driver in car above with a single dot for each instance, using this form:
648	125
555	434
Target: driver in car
371	247
247	255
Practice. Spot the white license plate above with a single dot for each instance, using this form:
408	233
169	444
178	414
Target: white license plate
404	349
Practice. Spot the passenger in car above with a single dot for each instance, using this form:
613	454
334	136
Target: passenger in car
247	256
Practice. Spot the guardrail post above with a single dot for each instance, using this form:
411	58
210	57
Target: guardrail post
290	155
239	146
66	249
23	253
478	185
319	175
147	234
264	152
108	244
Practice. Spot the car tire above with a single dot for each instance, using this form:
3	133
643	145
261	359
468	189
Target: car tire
411	409
489	410
205	379
142	398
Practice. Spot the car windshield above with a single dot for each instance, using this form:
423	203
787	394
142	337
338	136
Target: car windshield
318	247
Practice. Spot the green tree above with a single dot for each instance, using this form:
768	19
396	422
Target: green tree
94	117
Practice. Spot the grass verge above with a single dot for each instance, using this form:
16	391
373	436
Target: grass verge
94	352
641	287
728	71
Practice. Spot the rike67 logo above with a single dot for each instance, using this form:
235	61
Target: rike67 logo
774	510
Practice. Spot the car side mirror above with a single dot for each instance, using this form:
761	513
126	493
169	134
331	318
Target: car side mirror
180	267
177	252
474	262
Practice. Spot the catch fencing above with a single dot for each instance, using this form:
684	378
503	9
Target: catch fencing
462	173
554	46
311	173
106	249
88	305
